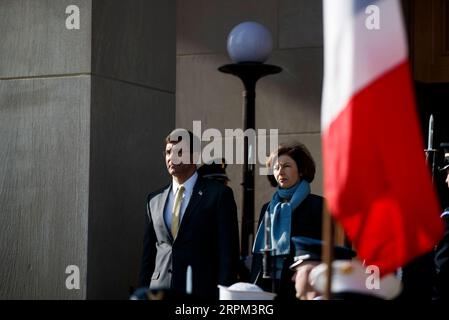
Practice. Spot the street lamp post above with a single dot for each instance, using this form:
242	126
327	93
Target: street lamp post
249	45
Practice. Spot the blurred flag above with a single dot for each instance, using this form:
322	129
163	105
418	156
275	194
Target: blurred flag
375	176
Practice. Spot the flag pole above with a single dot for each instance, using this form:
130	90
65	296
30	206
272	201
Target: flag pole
327	255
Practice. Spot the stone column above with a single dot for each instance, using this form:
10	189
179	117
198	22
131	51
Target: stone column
83	113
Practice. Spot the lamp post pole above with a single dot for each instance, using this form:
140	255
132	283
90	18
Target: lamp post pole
248	73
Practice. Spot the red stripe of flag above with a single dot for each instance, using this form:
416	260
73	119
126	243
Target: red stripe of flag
376	180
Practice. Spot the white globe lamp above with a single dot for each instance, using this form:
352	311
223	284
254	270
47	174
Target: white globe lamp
249	42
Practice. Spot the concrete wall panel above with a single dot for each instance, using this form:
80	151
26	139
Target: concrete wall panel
129	124
203	25
135	41
300	24
44	165
291	100
35	40
203	93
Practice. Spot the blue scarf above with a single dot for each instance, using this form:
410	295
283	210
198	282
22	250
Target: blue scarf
281	218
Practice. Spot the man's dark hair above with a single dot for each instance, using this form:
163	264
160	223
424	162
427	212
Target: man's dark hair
302	157
177	135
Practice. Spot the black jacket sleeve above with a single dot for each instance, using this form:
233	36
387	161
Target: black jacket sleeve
228	238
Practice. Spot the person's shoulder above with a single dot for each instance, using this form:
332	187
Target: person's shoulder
265	206
152	194
313	203
314	199
311	199
212	184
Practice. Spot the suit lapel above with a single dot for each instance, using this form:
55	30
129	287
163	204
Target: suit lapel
157	206
195	199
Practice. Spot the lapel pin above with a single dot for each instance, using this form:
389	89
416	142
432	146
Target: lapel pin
200	193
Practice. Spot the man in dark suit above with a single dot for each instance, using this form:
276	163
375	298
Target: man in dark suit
191	222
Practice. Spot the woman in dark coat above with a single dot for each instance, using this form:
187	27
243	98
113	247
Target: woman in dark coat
292	211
